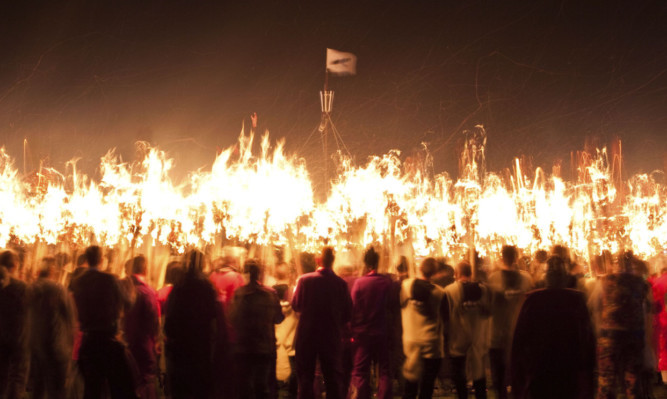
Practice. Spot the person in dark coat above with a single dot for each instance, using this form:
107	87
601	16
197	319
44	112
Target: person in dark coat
194	329
323	301
103	359
14	357
623	300
51	336
255	309
141	327
553	350
371	298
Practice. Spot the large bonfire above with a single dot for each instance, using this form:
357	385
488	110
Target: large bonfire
387	202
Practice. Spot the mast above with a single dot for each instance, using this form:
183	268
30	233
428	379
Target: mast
326	104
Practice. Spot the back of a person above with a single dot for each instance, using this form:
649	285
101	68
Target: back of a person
13	311
14	356
469	305
254	310
623	299
553	352
508	289
420	313
141	326
142	319
51	338
98	301
51	319
190	310
370	296
322	299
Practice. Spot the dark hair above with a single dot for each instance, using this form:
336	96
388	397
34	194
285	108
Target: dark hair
194	261
328	257
139	264
561	251
541	256
464	269
253	268
509	254
308	263
93	255
625	260
175	272
9	259
402	266
371	259
556	275
428	267
281	291
45	272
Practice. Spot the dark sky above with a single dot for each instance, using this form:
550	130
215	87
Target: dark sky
80	77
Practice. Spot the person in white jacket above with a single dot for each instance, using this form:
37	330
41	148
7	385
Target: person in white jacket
469	306
422	309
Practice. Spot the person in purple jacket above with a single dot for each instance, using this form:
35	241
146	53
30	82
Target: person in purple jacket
371	295
141	328
324	304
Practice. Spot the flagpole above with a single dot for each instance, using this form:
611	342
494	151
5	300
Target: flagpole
323	126
326	79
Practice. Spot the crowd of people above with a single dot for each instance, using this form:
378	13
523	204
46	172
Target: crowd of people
541	327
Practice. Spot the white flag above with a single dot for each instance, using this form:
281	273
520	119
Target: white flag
341	64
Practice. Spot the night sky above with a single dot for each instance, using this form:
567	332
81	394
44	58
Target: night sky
80	77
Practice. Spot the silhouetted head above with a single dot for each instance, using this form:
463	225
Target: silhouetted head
93	256
308	263
509	255
625	261
328	257
556	275
281	291
175	272
194	261
10	260
139	265
541	256
562	252
464	270
371	259
254	269
428	267
445	270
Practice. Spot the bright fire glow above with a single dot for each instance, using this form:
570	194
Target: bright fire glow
267	199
